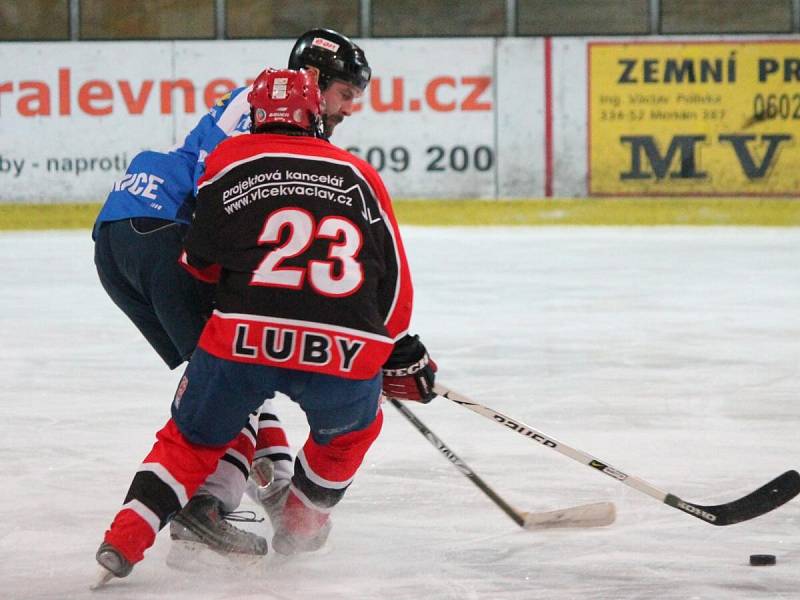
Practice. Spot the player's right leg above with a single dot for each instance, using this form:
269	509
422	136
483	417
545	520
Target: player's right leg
345	419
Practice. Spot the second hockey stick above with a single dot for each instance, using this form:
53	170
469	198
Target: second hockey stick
761	501
587	515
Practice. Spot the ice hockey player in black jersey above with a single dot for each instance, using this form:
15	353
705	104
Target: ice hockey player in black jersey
313	300
139	236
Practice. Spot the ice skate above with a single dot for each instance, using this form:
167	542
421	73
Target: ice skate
112	564
287	543
289	540
271	494
202	521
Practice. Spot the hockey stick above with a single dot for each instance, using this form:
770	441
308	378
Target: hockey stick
766	498
587	515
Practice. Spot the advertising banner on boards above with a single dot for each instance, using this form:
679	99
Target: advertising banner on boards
694	118
73	114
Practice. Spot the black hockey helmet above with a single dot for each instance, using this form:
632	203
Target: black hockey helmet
335	55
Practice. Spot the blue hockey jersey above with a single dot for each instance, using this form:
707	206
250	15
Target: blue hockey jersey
163	185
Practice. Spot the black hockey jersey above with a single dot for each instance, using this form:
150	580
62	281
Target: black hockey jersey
301	238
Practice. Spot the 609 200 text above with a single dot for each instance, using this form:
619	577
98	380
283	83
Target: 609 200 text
457	159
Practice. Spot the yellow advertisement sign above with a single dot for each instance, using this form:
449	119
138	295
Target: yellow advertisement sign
694	118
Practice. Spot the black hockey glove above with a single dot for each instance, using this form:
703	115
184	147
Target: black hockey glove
409	373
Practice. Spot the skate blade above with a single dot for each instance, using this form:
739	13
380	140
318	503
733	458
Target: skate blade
103	577
194	557
598	514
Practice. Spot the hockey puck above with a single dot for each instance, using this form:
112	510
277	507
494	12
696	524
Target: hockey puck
762	560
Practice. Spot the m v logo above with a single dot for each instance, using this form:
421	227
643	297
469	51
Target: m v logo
681	159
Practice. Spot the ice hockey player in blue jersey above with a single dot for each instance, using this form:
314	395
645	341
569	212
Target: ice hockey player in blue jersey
138	238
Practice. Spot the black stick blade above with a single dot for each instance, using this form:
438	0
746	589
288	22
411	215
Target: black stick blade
766	498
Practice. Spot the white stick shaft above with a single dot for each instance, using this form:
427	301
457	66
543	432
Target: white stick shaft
587	515
552	443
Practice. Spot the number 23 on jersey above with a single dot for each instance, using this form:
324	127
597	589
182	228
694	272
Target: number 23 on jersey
345	243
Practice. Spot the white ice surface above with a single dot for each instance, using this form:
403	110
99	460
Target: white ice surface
671	353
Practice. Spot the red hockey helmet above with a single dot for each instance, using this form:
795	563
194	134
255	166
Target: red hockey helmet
283	96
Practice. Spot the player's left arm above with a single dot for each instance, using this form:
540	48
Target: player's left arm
409	372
